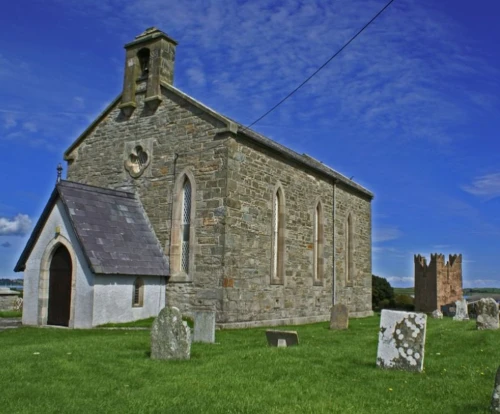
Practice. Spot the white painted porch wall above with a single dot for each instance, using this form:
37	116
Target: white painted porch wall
113	295
83	306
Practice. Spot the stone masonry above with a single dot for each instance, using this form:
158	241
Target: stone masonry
235	178
437	283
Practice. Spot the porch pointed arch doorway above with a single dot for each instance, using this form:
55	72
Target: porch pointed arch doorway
60	278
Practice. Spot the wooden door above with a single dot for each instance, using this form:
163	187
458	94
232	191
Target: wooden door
60	288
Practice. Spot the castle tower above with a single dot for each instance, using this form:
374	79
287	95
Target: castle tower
438	283
149	62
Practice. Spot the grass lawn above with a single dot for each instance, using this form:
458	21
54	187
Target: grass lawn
51	370
11	314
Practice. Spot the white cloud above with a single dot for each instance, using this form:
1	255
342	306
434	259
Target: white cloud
197	76
30	126
381	234
78	102
400	75
487	186
9	120
400	280
20	225
441	246
482	282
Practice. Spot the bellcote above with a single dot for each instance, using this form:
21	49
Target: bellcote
149	61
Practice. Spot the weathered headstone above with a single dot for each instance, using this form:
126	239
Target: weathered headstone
282	338
461	313
495	398
170	336
204	326
487	314
339	318
437	314
401	340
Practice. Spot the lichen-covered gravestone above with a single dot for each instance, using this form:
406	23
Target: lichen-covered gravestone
495	398
461	313
401	340
170	336
487	314
339	318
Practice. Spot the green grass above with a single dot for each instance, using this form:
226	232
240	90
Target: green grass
109	371
141	323
11	314
404	291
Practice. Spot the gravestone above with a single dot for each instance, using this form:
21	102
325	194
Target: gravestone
170	336
437	314
495	398
487	314
339	318
282	338
204	326
461	313
401	340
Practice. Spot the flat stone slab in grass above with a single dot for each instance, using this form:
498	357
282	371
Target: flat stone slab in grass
170	336
339	318
461	312
487	314
401	340
204	326
282	338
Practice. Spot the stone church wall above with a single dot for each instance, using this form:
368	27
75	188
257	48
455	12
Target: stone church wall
175	127
356	294
235	180
248	295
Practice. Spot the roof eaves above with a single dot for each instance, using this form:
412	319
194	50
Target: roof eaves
235	128
305	160
21	263
82	136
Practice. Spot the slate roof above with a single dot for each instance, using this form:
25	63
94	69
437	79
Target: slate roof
112	228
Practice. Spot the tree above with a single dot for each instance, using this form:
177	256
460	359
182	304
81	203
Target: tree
381	291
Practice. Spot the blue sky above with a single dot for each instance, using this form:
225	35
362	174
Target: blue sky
410	109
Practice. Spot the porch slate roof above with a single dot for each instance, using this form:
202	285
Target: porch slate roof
112	229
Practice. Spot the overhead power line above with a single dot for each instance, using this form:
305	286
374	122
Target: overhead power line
322	66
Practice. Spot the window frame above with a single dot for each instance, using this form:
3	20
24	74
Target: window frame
278	229
318	244
177	273
138	293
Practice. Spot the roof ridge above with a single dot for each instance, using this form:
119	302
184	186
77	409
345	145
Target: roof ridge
93	188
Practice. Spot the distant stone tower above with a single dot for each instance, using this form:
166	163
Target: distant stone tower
438	283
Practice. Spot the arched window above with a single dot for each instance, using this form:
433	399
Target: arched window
185	225
349	250
138	293
143	56
182	239
318	235
278	238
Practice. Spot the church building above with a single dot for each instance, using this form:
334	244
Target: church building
168	202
